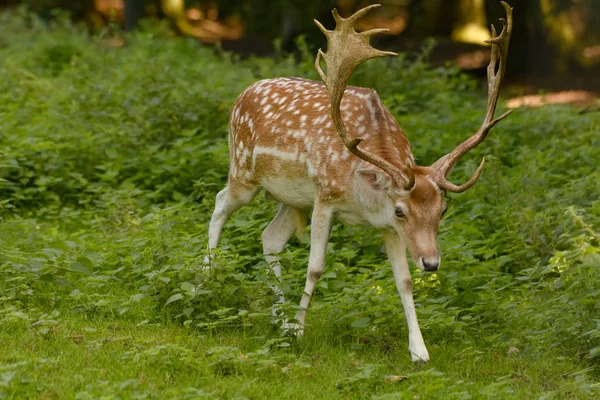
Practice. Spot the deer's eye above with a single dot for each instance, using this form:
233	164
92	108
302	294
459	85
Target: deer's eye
399	213
444	212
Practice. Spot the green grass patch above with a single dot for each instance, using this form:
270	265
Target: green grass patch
77	358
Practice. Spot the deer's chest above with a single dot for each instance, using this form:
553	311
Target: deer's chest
351	216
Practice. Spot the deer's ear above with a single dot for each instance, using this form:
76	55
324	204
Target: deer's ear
377	180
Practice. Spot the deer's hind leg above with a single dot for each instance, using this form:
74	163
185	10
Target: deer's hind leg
274	238
229	200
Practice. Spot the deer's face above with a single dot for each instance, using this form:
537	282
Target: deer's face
414	215
417	219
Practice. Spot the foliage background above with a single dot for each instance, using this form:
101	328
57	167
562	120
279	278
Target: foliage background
110	160
556	36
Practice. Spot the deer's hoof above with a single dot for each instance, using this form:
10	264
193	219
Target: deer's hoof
289	329
419	356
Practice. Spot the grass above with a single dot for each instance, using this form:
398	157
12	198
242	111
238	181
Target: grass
110	161
82	358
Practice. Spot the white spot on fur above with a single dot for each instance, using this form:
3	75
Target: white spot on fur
282	155
243	157
296	133
319	120
311	169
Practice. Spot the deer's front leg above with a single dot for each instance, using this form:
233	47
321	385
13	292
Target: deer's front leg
322	217
396	251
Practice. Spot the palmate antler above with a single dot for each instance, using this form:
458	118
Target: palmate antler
495	72
346	50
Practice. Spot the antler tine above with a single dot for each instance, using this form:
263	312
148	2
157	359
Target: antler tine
376	31
359	14
318	65
325	31
451	187
495	71
346	50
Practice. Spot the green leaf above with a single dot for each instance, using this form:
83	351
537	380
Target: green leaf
6	377
204	291
79	267
173	298
222	311
137	297
471	298
53	252
592	259
47	278
85	261
361	323
187	286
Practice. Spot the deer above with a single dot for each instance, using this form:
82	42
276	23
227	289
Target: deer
337	150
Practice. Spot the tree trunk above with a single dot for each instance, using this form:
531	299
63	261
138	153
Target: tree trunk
134	10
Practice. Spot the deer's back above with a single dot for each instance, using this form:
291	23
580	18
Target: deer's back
281	131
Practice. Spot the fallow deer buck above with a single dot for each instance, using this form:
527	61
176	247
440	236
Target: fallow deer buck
285	137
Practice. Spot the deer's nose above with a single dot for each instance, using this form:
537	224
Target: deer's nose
430	265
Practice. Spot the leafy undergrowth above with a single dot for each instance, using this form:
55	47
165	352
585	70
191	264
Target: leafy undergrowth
111	158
